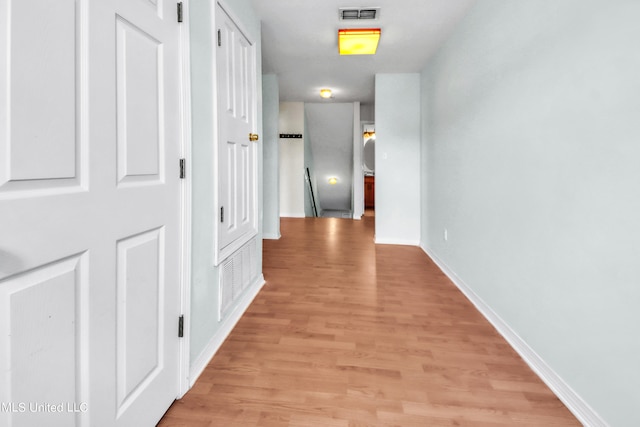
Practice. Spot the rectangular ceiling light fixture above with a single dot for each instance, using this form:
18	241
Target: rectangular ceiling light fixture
358	41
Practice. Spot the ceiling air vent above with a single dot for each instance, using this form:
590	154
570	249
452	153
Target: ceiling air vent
349	14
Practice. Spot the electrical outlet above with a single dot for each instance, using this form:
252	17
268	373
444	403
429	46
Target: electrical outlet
446	235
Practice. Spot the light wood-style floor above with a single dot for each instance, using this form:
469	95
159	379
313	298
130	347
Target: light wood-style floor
347	333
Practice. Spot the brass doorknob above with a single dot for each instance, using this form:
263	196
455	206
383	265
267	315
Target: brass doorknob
253	137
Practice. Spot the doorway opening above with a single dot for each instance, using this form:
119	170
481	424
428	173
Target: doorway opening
369	167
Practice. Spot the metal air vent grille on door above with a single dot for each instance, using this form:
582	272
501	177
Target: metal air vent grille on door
349	14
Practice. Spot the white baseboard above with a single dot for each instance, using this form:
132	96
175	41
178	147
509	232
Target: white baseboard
581	409
397	242
270	236
224	330
291	215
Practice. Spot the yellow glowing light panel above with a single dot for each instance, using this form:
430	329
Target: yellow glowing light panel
360	41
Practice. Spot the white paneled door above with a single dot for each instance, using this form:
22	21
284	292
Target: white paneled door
237	106
89	212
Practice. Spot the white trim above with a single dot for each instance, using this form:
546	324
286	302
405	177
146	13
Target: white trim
581	409
185	208
239	22
271	236
215	119
405	242
235	245
225	328
358	174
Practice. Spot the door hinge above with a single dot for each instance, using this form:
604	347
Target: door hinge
221	213
181	327
219	38
180	12
182	169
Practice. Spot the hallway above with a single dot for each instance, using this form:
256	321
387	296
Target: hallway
346	333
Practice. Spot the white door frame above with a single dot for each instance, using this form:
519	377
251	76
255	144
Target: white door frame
358	175
185	201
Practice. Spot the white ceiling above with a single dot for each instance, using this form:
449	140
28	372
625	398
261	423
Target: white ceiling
300	43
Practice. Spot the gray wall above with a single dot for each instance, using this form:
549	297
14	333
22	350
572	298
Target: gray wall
367	112
397	115
532	144
270	179
204	324
292	183
204	278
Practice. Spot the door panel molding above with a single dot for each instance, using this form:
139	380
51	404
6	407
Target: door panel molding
140	146
49	156
140	319
44	332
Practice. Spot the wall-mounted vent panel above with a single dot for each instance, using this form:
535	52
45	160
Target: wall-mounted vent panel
356	14
236	274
